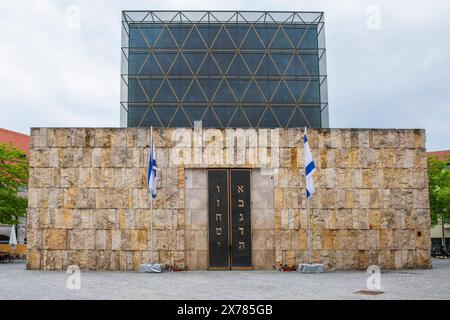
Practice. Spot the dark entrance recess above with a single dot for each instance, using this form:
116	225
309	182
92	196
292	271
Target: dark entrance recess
229	219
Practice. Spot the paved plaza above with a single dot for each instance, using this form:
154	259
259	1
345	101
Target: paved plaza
18	283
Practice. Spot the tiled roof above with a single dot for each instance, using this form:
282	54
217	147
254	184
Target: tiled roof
441	155
19	140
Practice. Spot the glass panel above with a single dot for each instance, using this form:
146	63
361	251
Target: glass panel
180	119
165	113
283	113
295	34
195	113
165	40
209	86
266	33
136	62
224	94
237	33
268	87
281	60
165	60
180	67
135	93
312	93
239	120
268	120
194	41
281	41
135	114
297	120
282	94
180	86
310	39
253	94
180	32
209	68
151	67
223	60
311	62
165	94
252	41
194	60
151	87
136	39
210	120
297	87
208	32
296	68
312	114
238	67
149	118
267	68
238	87
253	113
223	41
252	60
142	36
224	113
194	94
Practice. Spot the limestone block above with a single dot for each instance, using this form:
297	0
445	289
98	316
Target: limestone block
202	259
54	238
368	158
33	259
384	139
116	239
81	239
404	158
103	239
63	218
34	238
421	199
285	240
419	138
197	198
406	138
97	157
118	157
423	259
102	258
363	138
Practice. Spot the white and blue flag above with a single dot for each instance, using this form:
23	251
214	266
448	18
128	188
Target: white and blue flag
310	168
151	174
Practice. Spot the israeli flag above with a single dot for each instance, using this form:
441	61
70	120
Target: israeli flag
151	174
310	168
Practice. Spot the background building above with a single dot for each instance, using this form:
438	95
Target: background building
22	142
225	68
437	230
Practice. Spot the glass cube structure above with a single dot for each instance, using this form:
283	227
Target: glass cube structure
224	68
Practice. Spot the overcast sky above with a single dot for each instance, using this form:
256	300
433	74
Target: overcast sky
388	61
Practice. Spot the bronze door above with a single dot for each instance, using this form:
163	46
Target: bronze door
229	219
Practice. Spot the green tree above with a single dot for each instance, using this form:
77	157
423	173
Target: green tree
13	175
439	190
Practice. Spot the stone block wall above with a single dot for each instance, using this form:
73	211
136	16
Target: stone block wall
89	204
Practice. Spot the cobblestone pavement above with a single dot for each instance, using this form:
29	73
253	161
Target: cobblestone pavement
18	283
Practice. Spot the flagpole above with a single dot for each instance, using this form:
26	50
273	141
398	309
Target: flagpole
308	230
308	223
151	201
151	229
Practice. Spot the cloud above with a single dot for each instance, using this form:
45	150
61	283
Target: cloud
61	61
